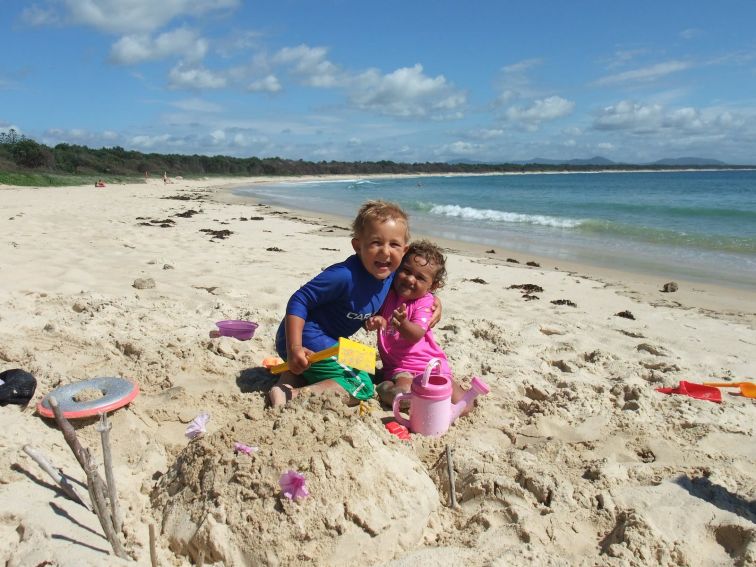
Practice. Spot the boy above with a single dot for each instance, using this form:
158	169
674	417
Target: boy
337	302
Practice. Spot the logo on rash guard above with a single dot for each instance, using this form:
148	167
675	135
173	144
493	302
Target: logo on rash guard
360	316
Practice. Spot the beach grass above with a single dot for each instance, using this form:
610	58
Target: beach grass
58	180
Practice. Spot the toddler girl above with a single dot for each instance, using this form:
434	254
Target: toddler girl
405	339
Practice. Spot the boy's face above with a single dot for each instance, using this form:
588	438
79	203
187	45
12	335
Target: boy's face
381	247
415	278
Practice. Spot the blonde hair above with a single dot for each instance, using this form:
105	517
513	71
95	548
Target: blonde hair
379	211
432	254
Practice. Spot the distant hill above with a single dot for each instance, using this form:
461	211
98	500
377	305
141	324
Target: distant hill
685	161
602	161
596	160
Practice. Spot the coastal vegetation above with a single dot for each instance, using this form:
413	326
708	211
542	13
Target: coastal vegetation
24	161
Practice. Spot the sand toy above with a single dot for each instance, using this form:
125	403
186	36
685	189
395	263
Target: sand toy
350	353
110	393
241	330
431	410
747	389
693	390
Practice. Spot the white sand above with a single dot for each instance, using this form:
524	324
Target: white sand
572	459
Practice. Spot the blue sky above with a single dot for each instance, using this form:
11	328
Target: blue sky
403	80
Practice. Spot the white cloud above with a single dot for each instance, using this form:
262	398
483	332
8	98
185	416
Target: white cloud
605	146
542	110
268	84
36	15
622	57
136	48
459	149
197	105
487	133
406	92
645	74
310	64
654	118
691	33
187	77
572	131
683	118
522	66
627	115
123	16
146	142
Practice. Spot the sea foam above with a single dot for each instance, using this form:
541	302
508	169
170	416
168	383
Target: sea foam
472	213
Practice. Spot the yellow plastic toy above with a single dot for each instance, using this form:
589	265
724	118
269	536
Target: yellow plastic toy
348	352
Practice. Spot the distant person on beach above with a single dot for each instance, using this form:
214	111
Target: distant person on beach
100	183
405	339
337	302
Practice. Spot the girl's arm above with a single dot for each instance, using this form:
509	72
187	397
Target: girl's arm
376	323
408	330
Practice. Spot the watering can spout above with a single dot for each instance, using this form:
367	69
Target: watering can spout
477	388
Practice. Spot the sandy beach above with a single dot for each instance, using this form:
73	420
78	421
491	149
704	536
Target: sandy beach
572	459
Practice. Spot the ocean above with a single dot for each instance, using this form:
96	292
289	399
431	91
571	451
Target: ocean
694	225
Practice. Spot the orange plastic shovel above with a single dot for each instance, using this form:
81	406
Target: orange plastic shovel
747	389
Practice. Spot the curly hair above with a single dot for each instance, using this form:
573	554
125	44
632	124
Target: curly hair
378	211
432	254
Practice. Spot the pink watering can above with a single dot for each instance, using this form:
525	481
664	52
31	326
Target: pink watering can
431	411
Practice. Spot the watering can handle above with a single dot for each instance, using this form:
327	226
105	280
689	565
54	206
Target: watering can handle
428	369
395	407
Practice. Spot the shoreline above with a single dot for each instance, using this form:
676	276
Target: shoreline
728	299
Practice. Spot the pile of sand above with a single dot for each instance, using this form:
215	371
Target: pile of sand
369	494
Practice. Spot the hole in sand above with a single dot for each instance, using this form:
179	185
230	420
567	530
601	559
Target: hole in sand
88	395
734	539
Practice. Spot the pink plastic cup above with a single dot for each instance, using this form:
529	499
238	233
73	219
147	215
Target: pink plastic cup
242	330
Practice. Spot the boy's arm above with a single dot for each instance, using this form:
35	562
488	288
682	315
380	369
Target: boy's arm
435	312
296	353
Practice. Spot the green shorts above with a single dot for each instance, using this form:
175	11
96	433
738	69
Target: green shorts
356	382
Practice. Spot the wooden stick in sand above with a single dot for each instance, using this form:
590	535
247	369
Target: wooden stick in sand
450	472
153	547
60	479
95	484
104	428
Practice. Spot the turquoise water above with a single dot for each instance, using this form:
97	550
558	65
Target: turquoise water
697	225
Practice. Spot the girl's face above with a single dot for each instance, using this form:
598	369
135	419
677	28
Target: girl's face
415	277
381	247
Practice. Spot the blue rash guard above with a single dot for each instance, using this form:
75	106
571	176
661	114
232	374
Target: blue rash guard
334	304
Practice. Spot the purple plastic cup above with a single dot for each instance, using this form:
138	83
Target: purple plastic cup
242	330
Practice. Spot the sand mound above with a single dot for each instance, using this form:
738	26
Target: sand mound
369	494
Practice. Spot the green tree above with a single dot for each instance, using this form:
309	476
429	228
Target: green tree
28	153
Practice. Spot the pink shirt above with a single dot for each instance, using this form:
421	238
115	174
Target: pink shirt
401	355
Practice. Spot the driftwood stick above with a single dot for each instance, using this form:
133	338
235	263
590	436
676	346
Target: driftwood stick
450	472
95	484
115	511
60	479
153	547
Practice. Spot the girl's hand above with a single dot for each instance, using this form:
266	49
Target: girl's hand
376	323
399	316
298	362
